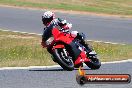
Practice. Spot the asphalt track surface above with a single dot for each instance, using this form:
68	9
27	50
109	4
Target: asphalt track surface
57	78
108	29
97	28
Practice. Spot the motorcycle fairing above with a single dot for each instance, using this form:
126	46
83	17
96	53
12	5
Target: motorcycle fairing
82	58
62	37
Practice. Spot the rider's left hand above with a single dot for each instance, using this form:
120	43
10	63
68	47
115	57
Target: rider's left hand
43	44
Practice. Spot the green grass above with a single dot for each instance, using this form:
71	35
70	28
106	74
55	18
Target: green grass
118	7
112	52
18	49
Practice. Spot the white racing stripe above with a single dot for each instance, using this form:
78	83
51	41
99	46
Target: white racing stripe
54	66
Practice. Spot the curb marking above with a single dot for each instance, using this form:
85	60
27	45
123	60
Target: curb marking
54	66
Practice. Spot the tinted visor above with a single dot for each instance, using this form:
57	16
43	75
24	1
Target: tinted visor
47	20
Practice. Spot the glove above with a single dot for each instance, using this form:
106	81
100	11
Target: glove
67	26
43	44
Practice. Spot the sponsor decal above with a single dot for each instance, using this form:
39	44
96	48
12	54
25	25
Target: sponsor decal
83	78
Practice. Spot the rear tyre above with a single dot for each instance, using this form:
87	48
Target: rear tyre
63	59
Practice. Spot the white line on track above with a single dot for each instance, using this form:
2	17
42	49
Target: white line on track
41	34
122	61
106	42
54	66
20	32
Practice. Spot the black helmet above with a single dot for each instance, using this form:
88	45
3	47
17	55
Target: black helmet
47	17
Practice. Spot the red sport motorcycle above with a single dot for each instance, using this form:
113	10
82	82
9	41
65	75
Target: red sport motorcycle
67	51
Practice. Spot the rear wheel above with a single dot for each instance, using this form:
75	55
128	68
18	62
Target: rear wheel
63	59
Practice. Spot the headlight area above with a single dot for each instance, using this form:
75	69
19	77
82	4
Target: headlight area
49	40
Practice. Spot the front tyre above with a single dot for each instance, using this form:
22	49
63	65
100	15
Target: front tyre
94	62
63	59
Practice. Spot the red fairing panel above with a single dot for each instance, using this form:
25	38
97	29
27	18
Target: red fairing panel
55	33
82	58
60	36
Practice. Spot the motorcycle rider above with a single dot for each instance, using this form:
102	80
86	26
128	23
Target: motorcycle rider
48	19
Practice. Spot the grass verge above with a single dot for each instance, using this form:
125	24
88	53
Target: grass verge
116	7
19	49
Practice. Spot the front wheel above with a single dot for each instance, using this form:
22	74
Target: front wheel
94	62
63	59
